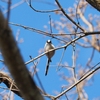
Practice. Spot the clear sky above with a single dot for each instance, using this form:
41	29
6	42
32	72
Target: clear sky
33	42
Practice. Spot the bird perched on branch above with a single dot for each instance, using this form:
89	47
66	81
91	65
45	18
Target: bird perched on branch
48	46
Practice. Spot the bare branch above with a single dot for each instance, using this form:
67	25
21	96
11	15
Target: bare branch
94	3
8	81
64	46
15	5
68	16
82	79
15	63
40	11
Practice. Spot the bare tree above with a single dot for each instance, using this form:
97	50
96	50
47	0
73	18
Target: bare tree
73	29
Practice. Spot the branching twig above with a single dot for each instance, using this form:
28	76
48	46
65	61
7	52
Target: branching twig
38	78
4	78
15	5
61	59
68	16
8	14
74	70
38	31
40	11
64	46
82	79
52	35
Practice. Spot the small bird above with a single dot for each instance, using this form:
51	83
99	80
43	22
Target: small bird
48	46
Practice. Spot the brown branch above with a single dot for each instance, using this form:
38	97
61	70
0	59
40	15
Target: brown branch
68	16
40	11
15	63
38	77
4	78
94	3
38	31
82	79
64	46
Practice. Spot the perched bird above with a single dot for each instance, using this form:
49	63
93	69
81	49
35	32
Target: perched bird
48	46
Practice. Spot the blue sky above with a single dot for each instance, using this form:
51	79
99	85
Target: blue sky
33	42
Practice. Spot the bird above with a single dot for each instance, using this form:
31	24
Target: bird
48	46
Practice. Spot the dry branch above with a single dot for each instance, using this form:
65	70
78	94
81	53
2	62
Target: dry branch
94	3
76	83
4	78
15	63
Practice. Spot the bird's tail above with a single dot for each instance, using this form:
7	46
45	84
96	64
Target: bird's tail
47	67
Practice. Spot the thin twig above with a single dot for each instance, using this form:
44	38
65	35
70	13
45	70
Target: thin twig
15	5
68	16
11	86
65	93
61	59
77	11
74	64
38	77
8	14
49	34
89	70
4	78
50	24
41	11
83	78
64	46
38	31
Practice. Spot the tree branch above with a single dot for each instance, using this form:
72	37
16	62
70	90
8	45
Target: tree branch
68	16
4	78
15	63
76	83
94	3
